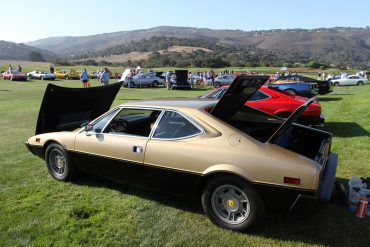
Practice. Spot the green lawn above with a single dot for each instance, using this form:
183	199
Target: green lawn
36	210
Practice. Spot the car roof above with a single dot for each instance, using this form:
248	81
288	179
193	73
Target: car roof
173	103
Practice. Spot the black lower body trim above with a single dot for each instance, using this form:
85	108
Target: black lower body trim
171	181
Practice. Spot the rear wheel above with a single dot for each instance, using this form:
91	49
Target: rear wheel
217	84
155	84
30	76
291	91
360	83
232	203
58	163
336	84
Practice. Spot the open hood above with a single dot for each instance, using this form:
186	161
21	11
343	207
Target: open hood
181	75
67	108
240	90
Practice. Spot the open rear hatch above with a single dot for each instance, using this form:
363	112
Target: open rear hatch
67	108
309	142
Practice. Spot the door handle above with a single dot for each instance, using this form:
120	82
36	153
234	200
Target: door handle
138	149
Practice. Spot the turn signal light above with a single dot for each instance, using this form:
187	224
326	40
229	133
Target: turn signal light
289	180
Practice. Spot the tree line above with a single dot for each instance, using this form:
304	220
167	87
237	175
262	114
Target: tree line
222	55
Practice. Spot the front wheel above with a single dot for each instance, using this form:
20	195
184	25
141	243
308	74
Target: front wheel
58	163
232	203
155	84
217	84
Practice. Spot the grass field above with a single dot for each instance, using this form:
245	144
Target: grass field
36	210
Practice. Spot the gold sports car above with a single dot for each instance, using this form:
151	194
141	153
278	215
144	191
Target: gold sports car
236	160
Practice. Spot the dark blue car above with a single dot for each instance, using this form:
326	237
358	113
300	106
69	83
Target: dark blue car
299	88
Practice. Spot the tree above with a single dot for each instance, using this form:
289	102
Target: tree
36	56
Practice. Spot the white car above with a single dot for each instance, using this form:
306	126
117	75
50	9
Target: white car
151	79
350	80
222	80
41	75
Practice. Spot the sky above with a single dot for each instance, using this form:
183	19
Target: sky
29	20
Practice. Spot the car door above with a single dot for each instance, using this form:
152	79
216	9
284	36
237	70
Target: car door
171	160
114	146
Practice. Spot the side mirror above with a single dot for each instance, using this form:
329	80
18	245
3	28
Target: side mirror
88	127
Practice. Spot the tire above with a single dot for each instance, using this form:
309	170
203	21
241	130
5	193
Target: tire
66	77
336	84
58	163
30	76
231	203
360	83
155	84
217	84
291	91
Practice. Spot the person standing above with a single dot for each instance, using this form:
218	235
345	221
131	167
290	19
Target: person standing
168	79
104	77
19	68
84	77
51	69
10	68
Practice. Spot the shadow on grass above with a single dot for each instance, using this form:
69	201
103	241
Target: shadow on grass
4	90
168	200
327	224
345	129
330	99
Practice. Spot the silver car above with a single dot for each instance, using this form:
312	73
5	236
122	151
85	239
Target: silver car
223	80
350	80
144	79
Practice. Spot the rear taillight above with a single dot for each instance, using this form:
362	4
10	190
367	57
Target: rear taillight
289	180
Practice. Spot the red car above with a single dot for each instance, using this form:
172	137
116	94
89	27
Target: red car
14	75
277	102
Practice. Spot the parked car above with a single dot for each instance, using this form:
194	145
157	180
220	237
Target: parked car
42	75
237	160
299	88
179	79
144	79
14	75
67	75
350	80
278	103
222	80
324	86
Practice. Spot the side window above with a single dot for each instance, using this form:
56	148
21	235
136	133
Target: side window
173	125
138	122
101	123
258	96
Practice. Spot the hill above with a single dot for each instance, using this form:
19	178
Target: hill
339	46
14	51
